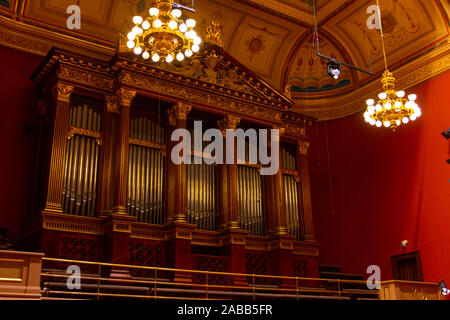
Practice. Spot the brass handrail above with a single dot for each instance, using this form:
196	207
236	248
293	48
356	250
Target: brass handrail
288	289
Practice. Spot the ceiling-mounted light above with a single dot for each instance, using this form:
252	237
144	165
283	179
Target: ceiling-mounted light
392	108
334	69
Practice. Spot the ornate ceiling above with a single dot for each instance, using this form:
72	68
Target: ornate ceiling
272	38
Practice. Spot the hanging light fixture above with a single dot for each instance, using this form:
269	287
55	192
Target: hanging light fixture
163	35
392	109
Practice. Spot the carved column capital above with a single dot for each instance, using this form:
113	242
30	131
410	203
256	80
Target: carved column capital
229	122
179	111
62	92
303	147
112	104
125	97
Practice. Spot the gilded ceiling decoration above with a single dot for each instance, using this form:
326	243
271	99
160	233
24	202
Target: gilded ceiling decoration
271	38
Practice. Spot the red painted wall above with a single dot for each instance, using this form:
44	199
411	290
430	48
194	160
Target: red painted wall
18	136
373	188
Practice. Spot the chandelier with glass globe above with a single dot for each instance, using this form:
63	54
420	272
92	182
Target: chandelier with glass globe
163	35
392	109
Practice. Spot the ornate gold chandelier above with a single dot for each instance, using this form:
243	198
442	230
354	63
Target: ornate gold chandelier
392	109
163	35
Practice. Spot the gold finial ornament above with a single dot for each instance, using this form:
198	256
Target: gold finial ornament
214	32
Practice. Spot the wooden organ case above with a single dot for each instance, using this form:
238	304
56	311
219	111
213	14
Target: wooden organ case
109	192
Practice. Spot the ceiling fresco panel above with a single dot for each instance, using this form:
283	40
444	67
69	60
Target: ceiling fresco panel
408	26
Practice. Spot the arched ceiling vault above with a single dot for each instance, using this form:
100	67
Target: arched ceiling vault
273	38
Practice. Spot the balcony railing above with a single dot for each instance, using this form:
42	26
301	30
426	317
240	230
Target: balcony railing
169	283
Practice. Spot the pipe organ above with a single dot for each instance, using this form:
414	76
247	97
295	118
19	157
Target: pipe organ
109	182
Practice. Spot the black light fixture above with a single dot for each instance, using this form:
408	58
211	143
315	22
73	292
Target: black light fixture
333	65
443	288
334	69
446	134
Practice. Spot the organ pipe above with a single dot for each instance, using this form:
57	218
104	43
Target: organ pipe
249	200
146	171
200	202
290	186
81	162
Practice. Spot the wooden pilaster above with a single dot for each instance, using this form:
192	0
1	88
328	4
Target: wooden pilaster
54	188
124	97
227	204
275	200
106	166
306	212
176	174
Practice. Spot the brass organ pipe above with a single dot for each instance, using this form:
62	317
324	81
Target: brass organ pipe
160	185
68	169
150	187
156	164
203	196
240	188
148	216
251	198
243	218
255	202
80	165
213	196
294	208
130	155
84	163
288	200
97	155
244	198
247	198
89	165
142	170
259	203
85	170
297	218
188	193
153	167
139	166
207	196
153	211
72	173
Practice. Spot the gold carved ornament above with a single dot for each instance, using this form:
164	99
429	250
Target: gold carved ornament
112	104
62	92
179	111
228	122
125	97
214	33
303	147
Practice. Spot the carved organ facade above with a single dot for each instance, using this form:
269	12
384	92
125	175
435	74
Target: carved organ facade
110	192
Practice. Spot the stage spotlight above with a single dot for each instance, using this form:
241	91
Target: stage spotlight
334	69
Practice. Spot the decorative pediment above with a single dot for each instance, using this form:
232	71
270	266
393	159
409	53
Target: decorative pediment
214	66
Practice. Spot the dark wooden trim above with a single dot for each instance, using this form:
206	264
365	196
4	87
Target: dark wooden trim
398	258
